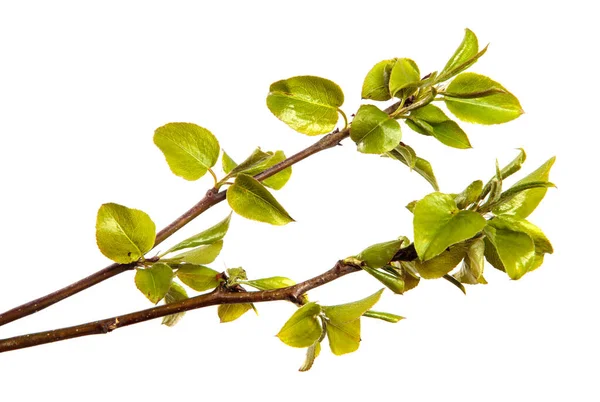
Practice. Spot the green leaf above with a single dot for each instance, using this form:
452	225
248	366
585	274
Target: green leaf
540	241
443	263
231	312
376	84
200	255
274	282
407	153
154	282
260	161
469	195
404	78
515	250
209	236
389	317
236	275
278	180
524	203
307	104
176	293
374	131
227	163
351	311
392	282
456	283
380	254
431	120
515	190
471	271
312	352
420	165
408	273
463	100
513	167
250	199
123	234
190	150
465	56
303	328
438	224
344	337
198	277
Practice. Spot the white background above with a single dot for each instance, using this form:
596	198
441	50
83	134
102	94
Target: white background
83	85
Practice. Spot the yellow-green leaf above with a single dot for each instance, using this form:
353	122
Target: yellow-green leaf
303	328
344	337
209	236
190	150
123	234
231	312
227	163
380	254
374	131
513	167
478	99
540	241
515	250
176	293
200	255
154	282
274	282
419	165
441	264
393	282
431	120
198	277
471	271
469	195
307	104
404	78
351	311
380	315
376	84
438	224
250	199
312	352
465	55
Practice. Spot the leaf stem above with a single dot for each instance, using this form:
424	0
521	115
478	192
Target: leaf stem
212	173
345	118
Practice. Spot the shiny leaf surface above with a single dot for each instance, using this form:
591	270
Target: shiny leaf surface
376	84
374	131
176	293
154	282
198	277
303	328
209	236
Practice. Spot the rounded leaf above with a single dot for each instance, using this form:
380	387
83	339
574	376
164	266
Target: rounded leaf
307	104
404	78
190	150
303	328
198	277
154	282
124	234
376	84
515	250
374	131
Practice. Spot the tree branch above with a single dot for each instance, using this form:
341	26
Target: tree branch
216	297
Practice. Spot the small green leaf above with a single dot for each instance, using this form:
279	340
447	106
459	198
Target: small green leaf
515	191
312	352
389	317
248	166
198	277
123	234
380	254
303	328
498	107
404	78
515	250
420	165
307	104
411	206
250	199
525	202
392	282
443	263
154	282
456	283
231	312
176	293
469	195
344	337
374	131
540	241
260	161
438	224
190	150
209	236
227	163
408	273
200	255
274	282
351	311
431	120
463	57
407	153
471	271
376	84
236	275
513	167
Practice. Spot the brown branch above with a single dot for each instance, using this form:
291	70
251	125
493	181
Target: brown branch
218	296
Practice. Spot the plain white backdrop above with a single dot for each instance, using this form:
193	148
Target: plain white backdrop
83	85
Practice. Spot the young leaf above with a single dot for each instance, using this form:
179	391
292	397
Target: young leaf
389	317
443	263
408	273
374	131
303	328
154	282
209	236
260	161
478	99
351	311
200	255
540	241
515	250
278	180
469	195
190	150
344	337
420	165
404	78
376	84
231	312
431	120
227	163
312	352
274	282
513	167
307	104
407	154
123	234
516	190
380	254
392	282
524	203
465	56
438	224
198	277
176	293
471	271
250	199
